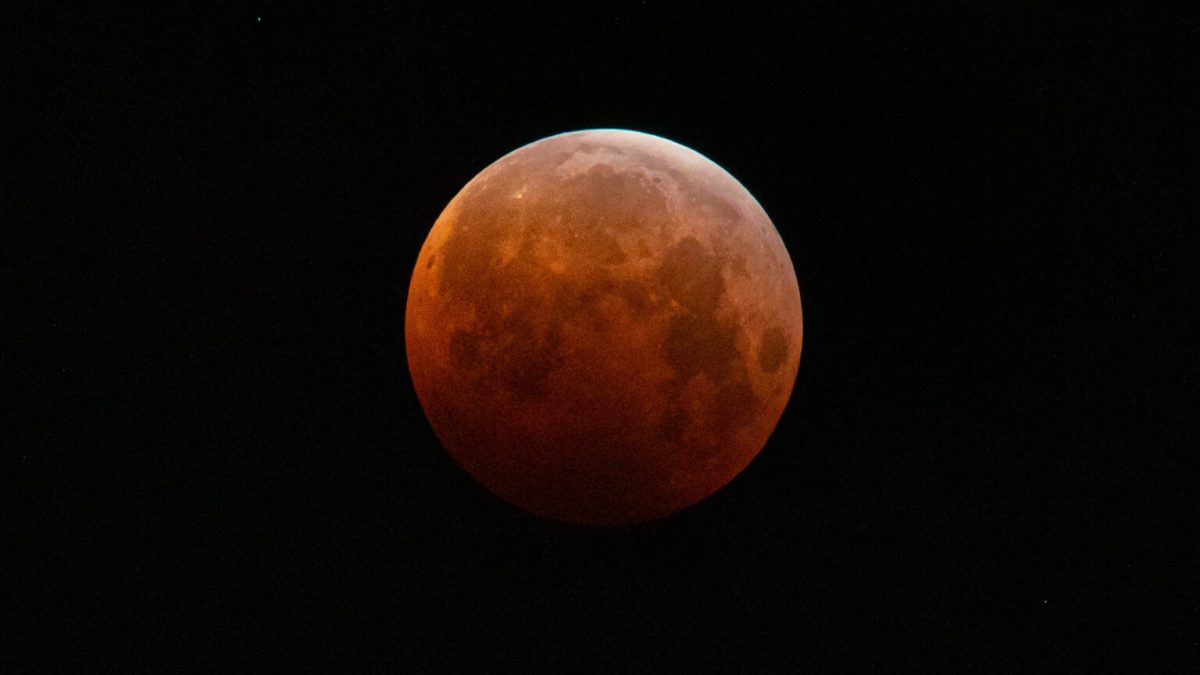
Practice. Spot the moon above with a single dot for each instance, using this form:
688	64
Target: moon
603	327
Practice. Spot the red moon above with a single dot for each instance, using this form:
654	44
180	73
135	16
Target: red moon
603	327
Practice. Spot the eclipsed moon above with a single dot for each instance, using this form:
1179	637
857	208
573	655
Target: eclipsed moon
603	327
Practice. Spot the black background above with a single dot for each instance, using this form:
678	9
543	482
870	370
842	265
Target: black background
219	457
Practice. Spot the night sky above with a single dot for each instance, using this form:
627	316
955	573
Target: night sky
218	457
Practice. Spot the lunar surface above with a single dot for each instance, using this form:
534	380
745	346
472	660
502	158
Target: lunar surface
603	327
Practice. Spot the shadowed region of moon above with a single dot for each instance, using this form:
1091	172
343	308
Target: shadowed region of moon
603	327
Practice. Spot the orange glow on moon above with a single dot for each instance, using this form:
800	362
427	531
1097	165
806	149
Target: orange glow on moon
603	327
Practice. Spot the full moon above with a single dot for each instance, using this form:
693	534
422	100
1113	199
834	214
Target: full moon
603	327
